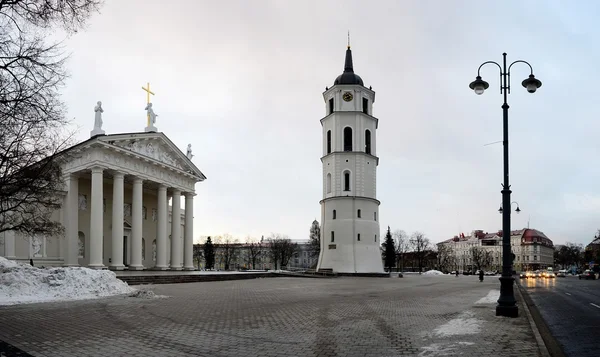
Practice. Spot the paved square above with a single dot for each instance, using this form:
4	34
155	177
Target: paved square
413	316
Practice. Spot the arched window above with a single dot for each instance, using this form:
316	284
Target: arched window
332	237
347	138
329	141
328	183
368	141
346	181
358	213
334	214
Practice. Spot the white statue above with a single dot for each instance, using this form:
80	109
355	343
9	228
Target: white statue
98	120
151	114
154	250
36	244
189	152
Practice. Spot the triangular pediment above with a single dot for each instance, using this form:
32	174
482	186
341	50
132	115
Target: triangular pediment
153	146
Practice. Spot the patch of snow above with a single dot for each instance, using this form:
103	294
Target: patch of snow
145	294
433	272
443	349
21	284
491	298
464	324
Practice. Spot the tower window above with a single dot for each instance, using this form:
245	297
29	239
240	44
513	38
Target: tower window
334	214
328	141
365	106
375	215
358	214
375	237
328	183
347	138
332	237
346	181
330	105
368	141
359	237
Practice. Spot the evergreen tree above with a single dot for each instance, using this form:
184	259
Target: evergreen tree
315	239
209	254
389	251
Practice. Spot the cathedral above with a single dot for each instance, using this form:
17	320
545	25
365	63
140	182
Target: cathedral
350	235
116	210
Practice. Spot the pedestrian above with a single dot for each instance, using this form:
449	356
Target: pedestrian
480	275
457	273
31	261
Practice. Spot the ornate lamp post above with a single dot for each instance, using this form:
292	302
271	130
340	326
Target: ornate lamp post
507	305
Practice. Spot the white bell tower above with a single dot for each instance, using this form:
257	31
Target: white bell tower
350	236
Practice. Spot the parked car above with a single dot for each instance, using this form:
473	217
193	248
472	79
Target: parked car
587	274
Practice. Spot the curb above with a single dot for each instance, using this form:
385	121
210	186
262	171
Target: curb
549	346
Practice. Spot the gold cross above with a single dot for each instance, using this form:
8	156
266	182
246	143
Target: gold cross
148	92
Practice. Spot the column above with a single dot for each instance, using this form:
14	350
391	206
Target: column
176	230
161	229
188	233
96	219
9	244
136	226
72	222
117	222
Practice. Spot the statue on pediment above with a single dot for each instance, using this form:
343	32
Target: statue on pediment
151	115
189	152
97	120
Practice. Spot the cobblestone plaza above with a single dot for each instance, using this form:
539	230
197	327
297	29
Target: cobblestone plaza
413	316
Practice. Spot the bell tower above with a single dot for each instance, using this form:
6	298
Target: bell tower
350	236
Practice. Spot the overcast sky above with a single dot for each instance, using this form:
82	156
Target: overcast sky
242	81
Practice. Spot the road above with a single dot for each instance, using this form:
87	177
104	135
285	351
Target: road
571	309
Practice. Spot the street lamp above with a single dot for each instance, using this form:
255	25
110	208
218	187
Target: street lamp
518	210
507	305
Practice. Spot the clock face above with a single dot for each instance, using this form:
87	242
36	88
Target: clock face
347	96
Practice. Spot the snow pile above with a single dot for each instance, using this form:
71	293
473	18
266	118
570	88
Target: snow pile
433	272
26	284
146	294
464	324
491	298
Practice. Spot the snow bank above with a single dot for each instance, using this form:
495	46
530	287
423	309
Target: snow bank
433	272
21	284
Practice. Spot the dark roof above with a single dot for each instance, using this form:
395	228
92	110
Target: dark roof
348	77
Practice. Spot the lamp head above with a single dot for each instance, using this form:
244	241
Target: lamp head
518	210
479	85
531	84
500	210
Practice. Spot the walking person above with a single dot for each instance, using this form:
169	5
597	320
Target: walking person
480	275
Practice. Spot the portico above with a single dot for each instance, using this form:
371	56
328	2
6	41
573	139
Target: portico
117	204
116	210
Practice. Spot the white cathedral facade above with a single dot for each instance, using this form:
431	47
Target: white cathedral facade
350	234
115	209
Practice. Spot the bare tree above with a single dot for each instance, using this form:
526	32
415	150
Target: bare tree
402	244
482	258
445	257
253	251
315	239
227	247
281	249
32	116
420	246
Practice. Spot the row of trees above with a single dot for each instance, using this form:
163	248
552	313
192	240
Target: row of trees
398	245
572	254
226	251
